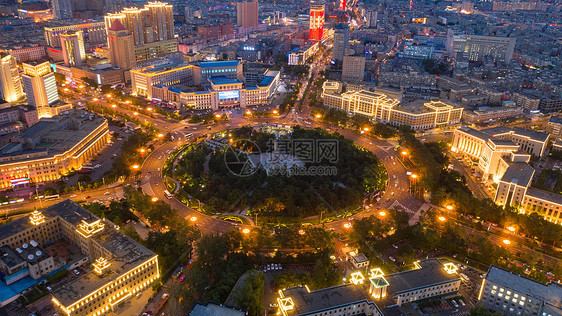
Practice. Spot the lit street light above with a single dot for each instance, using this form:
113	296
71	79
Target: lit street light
135	166
318	116
347	225
113	106
511	228
160	135
382	213
246	230
275	112
441	218
449	207
507	242
136	113
154	199
193	219
301	231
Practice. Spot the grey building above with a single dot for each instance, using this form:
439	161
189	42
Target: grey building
512	294
341	40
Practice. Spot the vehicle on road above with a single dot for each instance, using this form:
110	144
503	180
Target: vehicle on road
168	194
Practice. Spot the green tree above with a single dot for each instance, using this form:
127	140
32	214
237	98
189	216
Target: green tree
249	296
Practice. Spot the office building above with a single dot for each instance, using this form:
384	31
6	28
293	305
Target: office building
341	41
152	23
532	100
11	88
51	148
93	33
30	53
477	47
353	68
117	267
554	126
203	85
121	46
386	107
371	19
502	155
347	299
428	279
300	55
512	294
152	29
247	13
39	85
491	114
62	9
343	5
316	25
73	51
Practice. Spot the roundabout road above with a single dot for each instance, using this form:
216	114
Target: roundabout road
396	195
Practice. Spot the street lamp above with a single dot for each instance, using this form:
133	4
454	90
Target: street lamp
160	135
366	129
136	113
347	225
154	199
301	231
108	95
275	112
511	229
246	230
382	213
506	241
95	99
217	116
193	219
441	218
135	166
449	207
318	116
113	106
247	113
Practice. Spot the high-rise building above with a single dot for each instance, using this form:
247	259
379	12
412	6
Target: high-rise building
73	52
10	80
121	46
353	68
62	9
477	47
153	23
247	13
152	28
341	40
316	28
371	18
39	84
94	33
343	5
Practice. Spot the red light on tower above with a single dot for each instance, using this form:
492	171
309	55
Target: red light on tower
316	22
343	4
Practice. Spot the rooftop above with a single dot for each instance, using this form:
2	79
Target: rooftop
544	195
214	309
519	173
556	119
328	298
551	293
224	63
431	273
52	135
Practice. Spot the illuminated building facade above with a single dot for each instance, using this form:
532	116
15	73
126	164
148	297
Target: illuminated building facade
385	106
512	294
39	84
121	46
94	33
300	55
316	27
119	267
217	84
502	154
343	5
51	148
11	88
73	51
151	27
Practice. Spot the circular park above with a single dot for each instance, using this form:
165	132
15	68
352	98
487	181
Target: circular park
275	175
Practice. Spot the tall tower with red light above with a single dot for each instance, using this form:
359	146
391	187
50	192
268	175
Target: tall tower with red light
343	4
316	28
